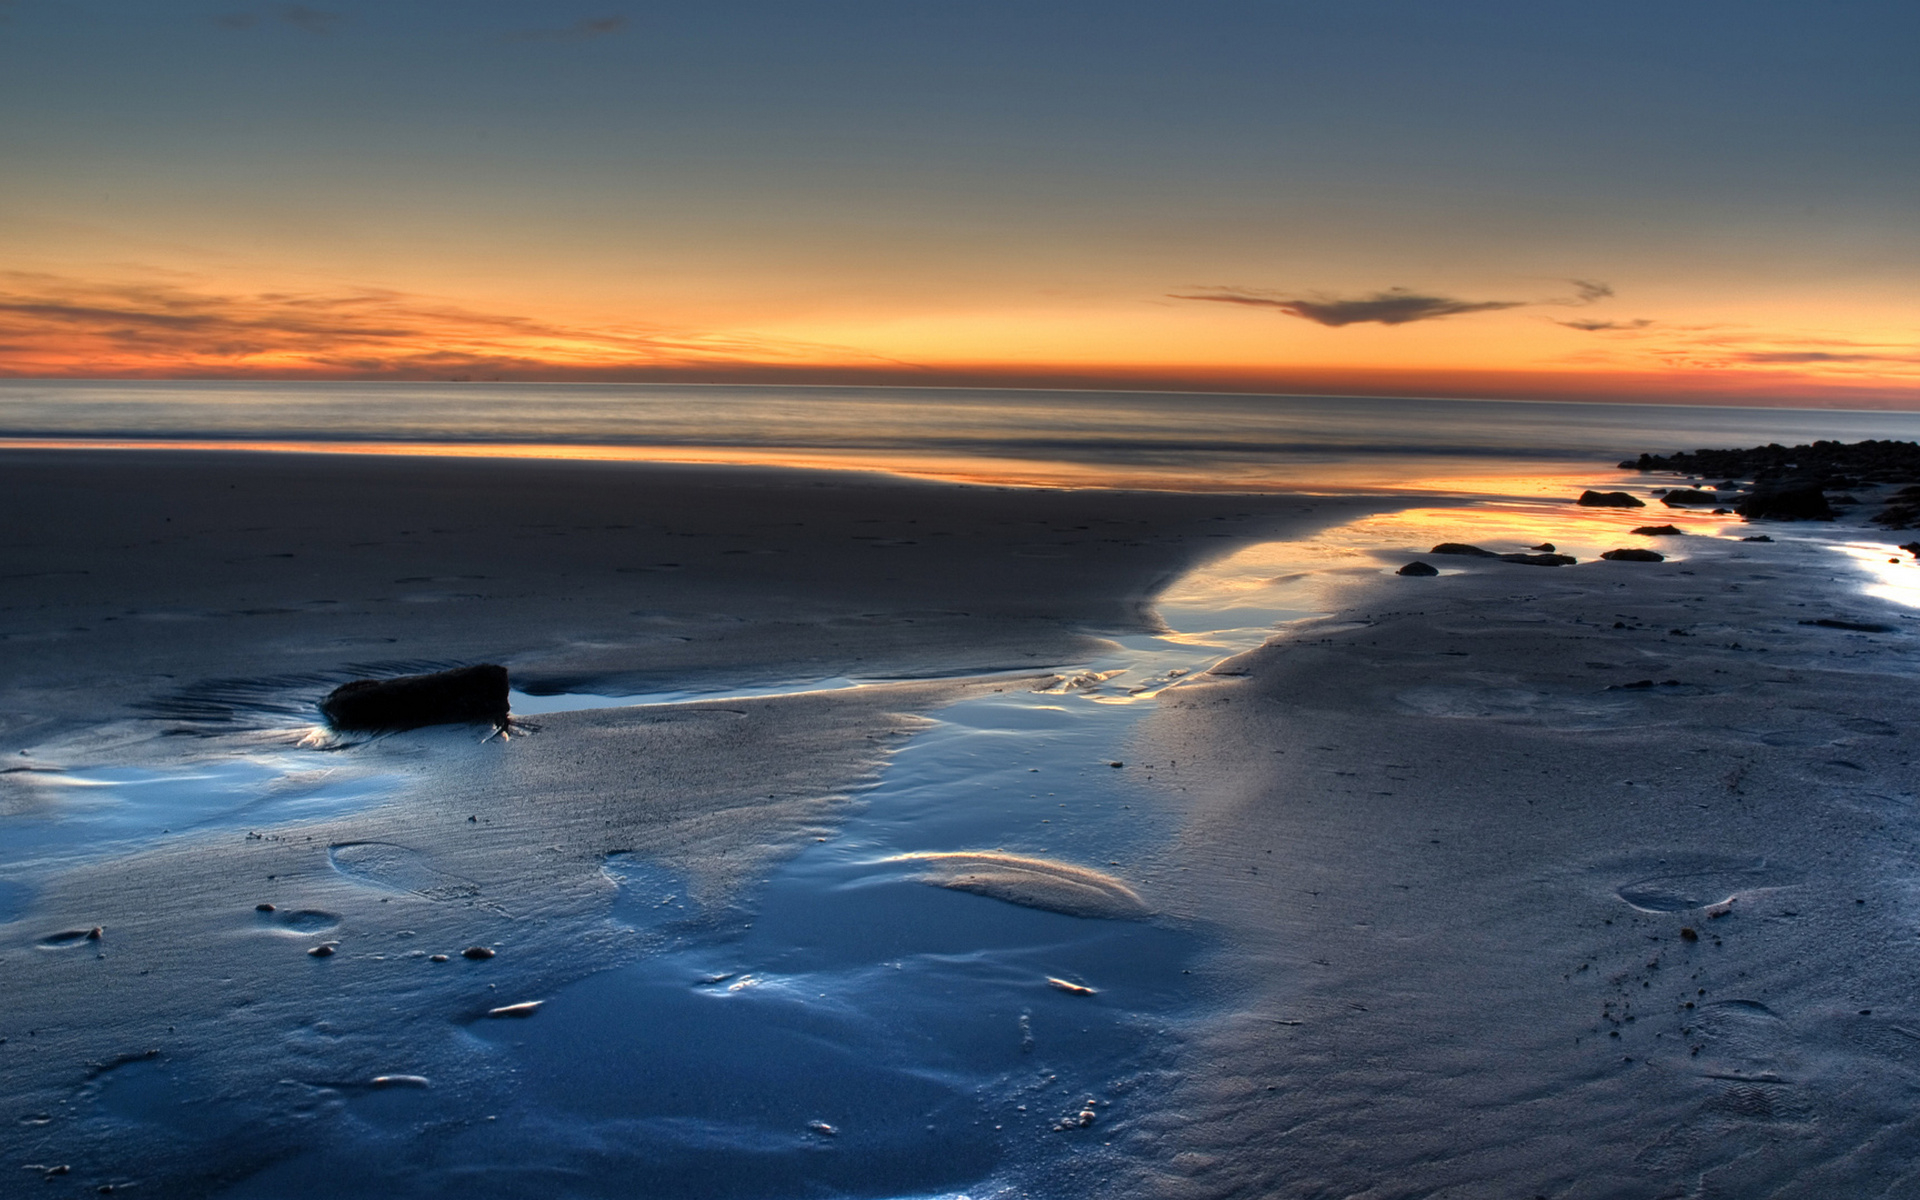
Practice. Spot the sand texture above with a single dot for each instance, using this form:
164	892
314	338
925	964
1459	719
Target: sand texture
1505	924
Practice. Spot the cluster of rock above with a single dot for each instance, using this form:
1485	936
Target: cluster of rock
1790	483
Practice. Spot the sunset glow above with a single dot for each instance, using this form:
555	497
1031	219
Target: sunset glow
750	196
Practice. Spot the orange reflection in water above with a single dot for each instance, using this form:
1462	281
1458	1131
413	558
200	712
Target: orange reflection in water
1430	475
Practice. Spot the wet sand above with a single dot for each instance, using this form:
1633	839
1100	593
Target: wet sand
1476	912
1586	882
173	609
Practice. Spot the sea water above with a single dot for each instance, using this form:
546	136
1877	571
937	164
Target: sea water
1180	441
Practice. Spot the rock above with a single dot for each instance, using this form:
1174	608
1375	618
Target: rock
466	694
525	1008
1763	538
1540	560
1418	568
1804	503
1681	497
1912	548
476	953
1593	499
1632	554
323	950
1856	626
1548	547
1462	548
1657	531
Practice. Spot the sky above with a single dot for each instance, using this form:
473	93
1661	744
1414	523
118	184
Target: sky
1704	201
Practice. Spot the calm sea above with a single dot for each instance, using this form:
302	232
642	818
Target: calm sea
1073	438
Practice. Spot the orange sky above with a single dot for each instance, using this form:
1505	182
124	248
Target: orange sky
1417	205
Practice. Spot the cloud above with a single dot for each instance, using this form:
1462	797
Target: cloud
63	326
1607	326
1591	291
579	31
1395	306
310	19
1817	356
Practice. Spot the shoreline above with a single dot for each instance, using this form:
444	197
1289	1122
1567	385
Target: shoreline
513	878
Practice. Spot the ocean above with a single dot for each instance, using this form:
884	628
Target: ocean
1156	440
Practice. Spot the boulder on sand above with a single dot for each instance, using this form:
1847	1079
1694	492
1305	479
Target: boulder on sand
1680	497
462	695
1806	503
1418	568
1540	560
1462	548
1634	555
1593	499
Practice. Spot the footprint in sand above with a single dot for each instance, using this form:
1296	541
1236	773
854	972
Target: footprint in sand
1685	885
398	868
66	939
297	921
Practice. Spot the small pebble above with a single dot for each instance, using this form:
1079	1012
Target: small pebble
436	958
263	908
476	953
323	950
1688	935
823	1129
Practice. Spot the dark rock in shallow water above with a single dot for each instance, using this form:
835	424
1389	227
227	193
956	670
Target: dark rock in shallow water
1462	548
467	694
1856	626
1679	497
1417	568
1540	560
1593	499
1657	531
1548	547
1757	538
1634	555
1804	503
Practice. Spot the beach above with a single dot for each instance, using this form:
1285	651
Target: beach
1515	880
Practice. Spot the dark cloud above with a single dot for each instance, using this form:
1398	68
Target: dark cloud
1591	291
1606	326
1816	356
579	31
1395	306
